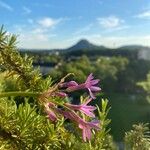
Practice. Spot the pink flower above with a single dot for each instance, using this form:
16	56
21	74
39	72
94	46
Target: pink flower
86	128
88	110
68	84
84	125
51	115
60	94
68	114
89	84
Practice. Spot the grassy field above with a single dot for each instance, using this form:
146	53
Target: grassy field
127	110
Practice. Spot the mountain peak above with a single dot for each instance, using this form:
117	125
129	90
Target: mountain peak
83	44
83	41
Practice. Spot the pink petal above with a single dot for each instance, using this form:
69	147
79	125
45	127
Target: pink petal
81	126
93	82
69	84
91	94
88	101
94	124
74	88
95	88
88	133
84	135
77	107
72	83
89	107
61	94
89	78
50	104
51	115
83	108
88	113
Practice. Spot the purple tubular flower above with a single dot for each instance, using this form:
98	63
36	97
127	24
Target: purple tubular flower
84	125
88	110
68	84
51	115
60	94
89	84
86	128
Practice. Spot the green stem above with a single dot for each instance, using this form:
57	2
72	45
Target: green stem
19	93
31	94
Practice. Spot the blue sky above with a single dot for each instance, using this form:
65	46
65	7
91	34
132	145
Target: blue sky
61	23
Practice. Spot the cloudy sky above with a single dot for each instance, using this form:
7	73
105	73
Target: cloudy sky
61	23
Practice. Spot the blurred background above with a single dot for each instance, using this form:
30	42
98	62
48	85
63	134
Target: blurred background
109	38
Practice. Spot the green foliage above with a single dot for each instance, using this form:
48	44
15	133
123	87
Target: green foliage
138	138
24	128
135	71
127	109
107	69
12	61
146	86
80	68
102	139
8	83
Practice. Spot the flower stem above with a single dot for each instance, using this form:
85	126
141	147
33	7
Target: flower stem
20	93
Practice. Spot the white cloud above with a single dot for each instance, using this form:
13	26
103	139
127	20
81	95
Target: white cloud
110	22
48	22
26	10
37	33
33	36
6	6
144	15
29	39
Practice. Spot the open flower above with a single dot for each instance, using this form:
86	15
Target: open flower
84	125
84	108
86	128
89	84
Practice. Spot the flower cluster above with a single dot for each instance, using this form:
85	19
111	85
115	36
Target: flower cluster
72	111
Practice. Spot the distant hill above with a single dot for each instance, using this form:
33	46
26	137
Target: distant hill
133	47
143	51
84	44
85	47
